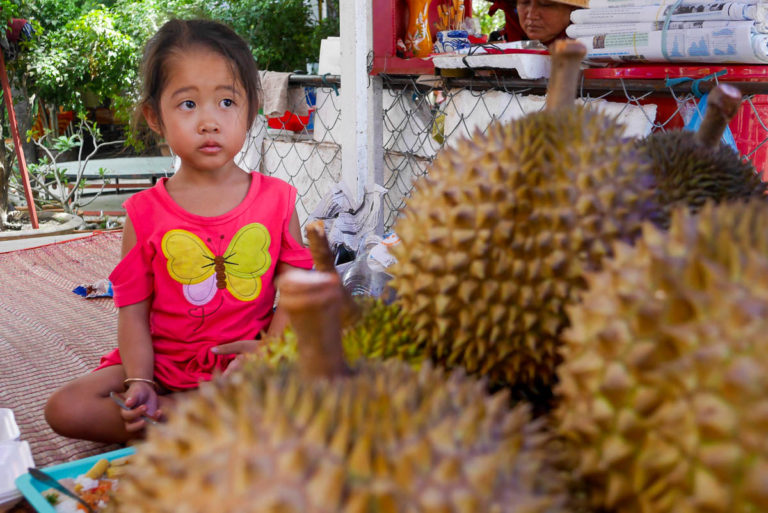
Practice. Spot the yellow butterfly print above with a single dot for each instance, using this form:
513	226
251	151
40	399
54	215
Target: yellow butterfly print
239	269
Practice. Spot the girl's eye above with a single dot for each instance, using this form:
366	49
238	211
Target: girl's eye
227	102
187	104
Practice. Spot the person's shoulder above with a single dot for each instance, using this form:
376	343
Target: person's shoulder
271	182
143	202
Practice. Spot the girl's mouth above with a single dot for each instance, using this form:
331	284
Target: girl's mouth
210	147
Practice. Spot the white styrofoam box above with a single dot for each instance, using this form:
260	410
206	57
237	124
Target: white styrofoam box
9	430
528	66
15	459
637	119
464	117
330	56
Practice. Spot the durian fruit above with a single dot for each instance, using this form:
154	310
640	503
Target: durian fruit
322	438
664	385
372	329
496	239
381	332
690	168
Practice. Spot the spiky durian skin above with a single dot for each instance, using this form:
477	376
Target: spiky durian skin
664	384
387	439
687	173
496	239
382	332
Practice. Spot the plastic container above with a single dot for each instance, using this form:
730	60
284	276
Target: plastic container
15	458
362	280
366	275
9	430
33	489
290	121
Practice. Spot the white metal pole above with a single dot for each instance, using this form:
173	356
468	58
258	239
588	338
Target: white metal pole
361	101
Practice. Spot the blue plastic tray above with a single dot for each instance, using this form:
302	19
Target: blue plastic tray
32	489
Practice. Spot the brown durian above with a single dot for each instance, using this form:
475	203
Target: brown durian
496	239
663	391
322	438
691	168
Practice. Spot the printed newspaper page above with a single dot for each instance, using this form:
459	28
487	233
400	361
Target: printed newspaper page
735	44
719	11
597	4
596	29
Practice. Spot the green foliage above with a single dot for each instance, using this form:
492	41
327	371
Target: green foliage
87	53
8	9
283	35
487	23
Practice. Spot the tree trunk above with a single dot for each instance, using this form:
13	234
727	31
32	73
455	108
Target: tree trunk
25	120
5	175
332	7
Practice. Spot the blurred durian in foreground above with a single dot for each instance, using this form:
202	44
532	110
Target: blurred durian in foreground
319	437
496	239
664	386
690	168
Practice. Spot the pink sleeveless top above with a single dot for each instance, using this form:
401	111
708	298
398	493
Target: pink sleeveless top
210	279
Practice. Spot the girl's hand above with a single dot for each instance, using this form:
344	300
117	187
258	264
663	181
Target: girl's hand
142	399
239	348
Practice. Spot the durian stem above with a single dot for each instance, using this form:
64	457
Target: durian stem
567	55
319	246
723	104
322	256
313	303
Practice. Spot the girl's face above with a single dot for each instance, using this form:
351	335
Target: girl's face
203	111
543	19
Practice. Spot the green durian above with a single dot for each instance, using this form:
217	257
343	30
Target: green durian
380	331
691	168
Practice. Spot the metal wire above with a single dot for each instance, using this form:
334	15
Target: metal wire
420	117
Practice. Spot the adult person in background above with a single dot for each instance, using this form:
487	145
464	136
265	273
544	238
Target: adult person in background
543	20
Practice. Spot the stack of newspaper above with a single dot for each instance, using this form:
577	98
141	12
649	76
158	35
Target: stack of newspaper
674	30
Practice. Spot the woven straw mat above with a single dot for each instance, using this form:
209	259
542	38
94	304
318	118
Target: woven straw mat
50	335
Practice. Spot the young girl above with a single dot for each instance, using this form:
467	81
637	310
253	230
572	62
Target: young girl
201	249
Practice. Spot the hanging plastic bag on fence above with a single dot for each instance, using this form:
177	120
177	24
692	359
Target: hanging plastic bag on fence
698	115
348	223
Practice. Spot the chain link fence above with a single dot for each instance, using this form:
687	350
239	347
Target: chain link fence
421	115
305	151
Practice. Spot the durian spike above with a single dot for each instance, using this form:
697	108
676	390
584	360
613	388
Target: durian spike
313	302
567	55
322	256
722	106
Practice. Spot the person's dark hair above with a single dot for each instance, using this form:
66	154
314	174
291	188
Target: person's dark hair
179	35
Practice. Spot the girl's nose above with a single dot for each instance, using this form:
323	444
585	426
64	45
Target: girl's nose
208	127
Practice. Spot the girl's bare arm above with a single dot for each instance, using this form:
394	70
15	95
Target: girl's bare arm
135	342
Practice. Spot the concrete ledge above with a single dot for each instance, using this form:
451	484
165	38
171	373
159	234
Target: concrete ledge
73	223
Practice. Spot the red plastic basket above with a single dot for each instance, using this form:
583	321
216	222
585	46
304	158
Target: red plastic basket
289	121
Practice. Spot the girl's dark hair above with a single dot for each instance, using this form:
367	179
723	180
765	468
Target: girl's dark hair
176	35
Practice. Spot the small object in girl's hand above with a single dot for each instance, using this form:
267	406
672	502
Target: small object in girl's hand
100	288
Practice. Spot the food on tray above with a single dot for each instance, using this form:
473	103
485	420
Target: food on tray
94	487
